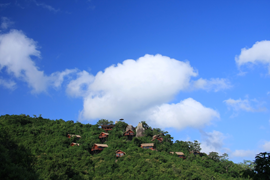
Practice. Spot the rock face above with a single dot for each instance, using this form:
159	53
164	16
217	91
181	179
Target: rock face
130	127
139	130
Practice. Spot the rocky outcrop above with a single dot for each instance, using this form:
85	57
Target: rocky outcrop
130	127
140	130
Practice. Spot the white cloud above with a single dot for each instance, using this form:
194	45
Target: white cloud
187	113
266	146
213	142
7	84
78	87
258	53
57	78
6	23
215	84
244	153
45	6
244	105
139	90
15	54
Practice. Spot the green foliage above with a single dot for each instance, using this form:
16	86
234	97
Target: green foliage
38	148
262	167
104	122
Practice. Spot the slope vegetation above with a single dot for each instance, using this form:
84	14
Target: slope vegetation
38	148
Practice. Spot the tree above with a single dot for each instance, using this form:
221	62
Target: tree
197	145
262	167
104	122
214	156
248	168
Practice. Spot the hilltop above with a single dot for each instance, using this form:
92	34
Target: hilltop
38	148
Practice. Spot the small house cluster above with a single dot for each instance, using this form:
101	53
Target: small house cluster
77	137
130	134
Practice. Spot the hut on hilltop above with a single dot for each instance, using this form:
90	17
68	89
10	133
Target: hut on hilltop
107	127
103	136
72	135
120	153
130	134
179	154
73	144
148	146
157	137
98	148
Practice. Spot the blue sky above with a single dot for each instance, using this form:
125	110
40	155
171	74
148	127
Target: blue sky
196	69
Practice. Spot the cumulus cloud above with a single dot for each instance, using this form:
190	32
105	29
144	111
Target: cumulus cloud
6	23
7	84
15	55
212	142
187	113
244	153
258	53
243	105
79	86
215	84
266	146
139	90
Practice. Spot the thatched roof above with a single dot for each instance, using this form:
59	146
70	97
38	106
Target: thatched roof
78	136
128	131
119	150
102	145
75	143
147	144
105	133
172	152
179	153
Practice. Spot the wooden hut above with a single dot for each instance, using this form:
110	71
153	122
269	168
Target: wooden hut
181	155
73	144
157	137
103	136
120	153
72	135
107	127
130	134
98	147
148	146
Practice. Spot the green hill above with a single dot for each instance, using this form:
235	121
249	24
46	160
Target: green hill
37	148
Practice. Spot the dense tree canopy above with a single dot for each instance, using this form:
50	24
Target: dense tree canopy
104	122
37	148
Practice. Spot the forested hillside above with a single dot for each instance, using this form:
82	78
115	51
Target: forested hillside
38	148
